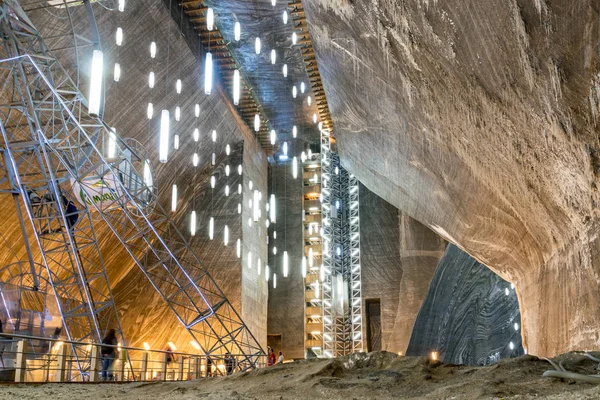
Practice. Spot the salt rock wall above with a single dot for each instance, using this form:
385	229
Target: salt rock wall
479	120
469	314
399	257
144	315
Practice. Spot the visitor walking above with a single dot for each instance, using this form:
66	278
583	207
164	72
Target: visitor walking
280	359
209	366
271	357
108	354
229	363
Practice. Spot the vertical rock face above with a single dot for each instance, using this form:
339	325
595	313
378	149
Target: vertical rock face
469	314
478	119
144	314
286	301
398	258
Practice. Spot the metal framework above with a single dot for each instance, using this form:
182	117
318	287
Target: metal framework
54	149
342	294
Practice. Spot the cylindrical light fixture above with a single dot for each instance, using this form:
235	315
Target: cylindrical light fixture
193	223
226	235
294	131
121	5
237	31
272	213
174	198
95	96
117	72
150	111
295	167
273	136
257	45
195	160
151	80
196	135
177	113
302	87
285	17
236	87
164	136
210	19
238	248
214	136
285	264
176	142
273	56
256	122
153	50
285	70
197	110
285	148
213	182
119	36
294	38
304	266
178	86
211	228
208	73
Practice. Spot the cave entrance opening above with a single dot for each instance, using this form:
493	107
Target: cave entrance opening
373	308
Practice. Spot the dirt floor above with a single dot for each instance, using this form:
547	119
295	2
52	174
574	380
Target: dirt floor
377	375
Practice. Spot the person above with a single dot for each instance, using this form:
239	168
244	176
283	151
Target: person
229	363
108	354
271	357
55	335
280	359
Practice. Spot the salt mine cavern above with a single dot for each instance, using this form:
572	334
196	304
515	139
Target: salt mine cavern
286	199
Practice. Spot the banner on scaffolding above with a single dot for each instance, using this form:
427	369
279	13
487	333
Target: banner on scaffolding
102	193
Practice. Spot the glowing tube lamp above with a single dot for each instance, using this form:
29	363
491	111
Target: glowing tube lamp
119	36
285	17
309	100
213	159
286	265
285	148
257	45
237	31
227	170
213	182
210	19
273	3
226	235
226	190
295	167
176	142
150	111
174	198
121	5
177	113
285	70
117	72
178	86
214	135
208	73
236	87
195	160
153	49
315	118
294	38
96	83
196	135
193	224
294	131
256	123
151	80
267	272
238	248
228	150
294	91
240	170
302	87
211	228
164	136
273	56
272	214
273	136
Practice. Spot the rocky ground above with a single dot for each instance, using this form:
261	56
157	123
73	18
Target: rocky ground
360	376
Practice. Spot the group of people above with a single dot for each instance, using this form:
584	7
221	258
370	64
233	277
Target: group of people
271	360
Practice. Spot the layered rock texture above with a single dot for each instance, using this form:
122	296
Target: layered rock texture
479	119
470	315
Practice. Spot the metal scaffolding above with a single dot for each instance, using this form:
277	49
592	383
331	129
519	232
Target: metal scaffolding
62	164
342	296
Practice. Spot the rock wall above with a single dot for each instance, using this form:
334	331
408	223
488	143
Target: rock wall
469	314
479	120
144	315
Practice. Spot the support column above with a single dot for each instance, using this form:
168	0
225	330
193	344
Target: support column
144	368
61	361
21	365
95	356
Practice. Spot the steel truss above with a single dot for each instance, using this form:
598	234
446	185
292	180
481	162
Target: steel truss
342	296
54	148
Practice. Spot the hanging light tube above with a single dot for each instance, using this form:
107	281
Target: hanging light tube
195	160
311	261
294	131
228	149
151	80
193	224
178	86
153	50
150	111
295	167
274	281
117	72
273	136
294	91
240	170
177	113
302	87
285	264
119	36
208	74
226	190
267	272
236	87
211	228
210	19
121	5
237	31
285	17
213	182
272	213
214	136
164	136
315	118
309	100
196	135
285	70
238	248
174	198
176	142
95	96
273	56
294	38
257	45
213	159
227	170
285	148
256	122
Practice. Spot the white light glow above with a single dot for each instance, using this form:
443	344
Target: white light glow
302	87
303	156
195	159
150	111
273	136
112	144
294	91
267	272
214	136
237	31
256	123
213	159
286	265
227	149
153	49
240	170
176	142
311	260
239	208
295	167
226	190
227	170
210	19
236	87
238	248
257	45
274	281
197	110
294	38
193	224
119	36
151	80
178	86
285	148
274	250
95	96
177	113
315	118
273	56
164	136
196	135
213	182
309	100
208	73
511	345
273	3
285	17
285	70
174	198
516	326
121	5
294	131
211	228
272	213
117	72
320	124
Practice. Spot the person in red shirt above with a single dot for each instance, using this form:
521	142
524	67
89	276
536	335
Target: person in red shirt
271	357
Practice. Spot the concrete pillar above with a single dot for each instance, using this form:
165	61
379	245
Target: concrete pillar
163	367
198	368
144	369
180	369
61	363
21	365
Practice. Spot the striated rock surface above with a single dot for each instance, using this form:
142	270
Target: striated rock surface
479	119
469	314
